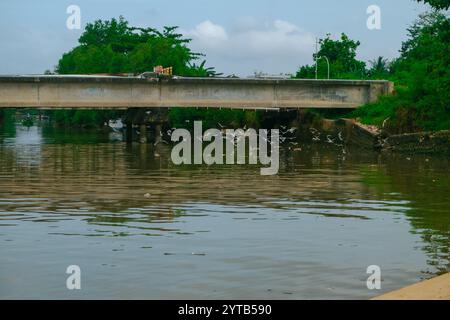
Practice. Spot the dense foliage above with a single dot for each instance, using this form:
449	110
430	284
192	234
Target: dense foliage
341	55
437	4
422	77
115	47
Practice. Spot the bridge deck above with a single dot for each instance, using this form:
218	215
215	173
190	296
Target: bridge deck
93	91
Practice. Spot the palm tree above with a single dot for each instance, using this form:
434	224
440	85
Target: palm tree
202	71
380	67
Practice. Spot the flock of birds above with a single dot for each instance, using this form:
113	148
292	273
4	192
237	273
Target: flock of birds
286	136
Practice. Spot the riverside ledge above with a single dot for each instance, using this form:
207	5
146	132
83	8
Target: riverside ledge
434	289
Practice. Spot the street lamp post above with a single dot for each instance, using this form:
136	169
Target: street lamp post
328	64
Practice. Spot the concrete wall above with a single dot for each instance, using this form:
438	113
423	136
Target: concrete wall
122	92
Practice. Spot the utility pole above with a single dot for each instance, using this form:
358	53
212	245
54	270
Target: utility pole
316	56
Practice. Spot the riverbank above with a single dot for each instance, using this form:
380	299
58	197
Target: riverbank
434	289
421	142
355	133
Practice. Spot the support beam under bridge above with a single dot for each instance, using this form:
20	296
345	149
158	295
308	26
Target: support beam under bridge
75	91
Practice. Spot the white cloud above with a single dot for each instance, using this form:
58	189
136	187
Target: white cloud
253	43
209	32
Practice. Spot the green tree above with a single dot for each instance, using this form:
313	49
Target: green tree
437	4
422	77
341	55
115	47
380	68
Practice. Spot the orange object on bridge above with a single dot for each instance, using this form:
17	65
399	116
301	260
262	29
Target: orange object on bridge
161	70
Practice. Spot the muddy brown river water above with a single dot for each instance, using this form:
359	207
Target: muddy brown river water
140	227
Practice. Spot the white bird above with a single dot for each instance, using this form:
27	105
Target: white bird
161	141
329	140
116	125
292	130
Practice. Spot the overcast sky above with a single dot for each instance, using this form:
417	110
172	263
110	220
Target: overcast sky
237	36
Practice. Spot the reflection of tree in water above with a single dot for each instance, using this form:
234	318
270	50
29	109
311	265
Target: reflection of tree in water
7	124
114	177
63	135
425	181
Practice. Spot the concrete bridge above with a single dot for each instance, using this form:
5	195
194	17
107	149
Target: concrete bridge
93	91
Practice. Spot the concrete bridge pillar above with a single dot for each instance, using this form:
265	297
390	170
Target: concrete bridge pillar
143	133
158	133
